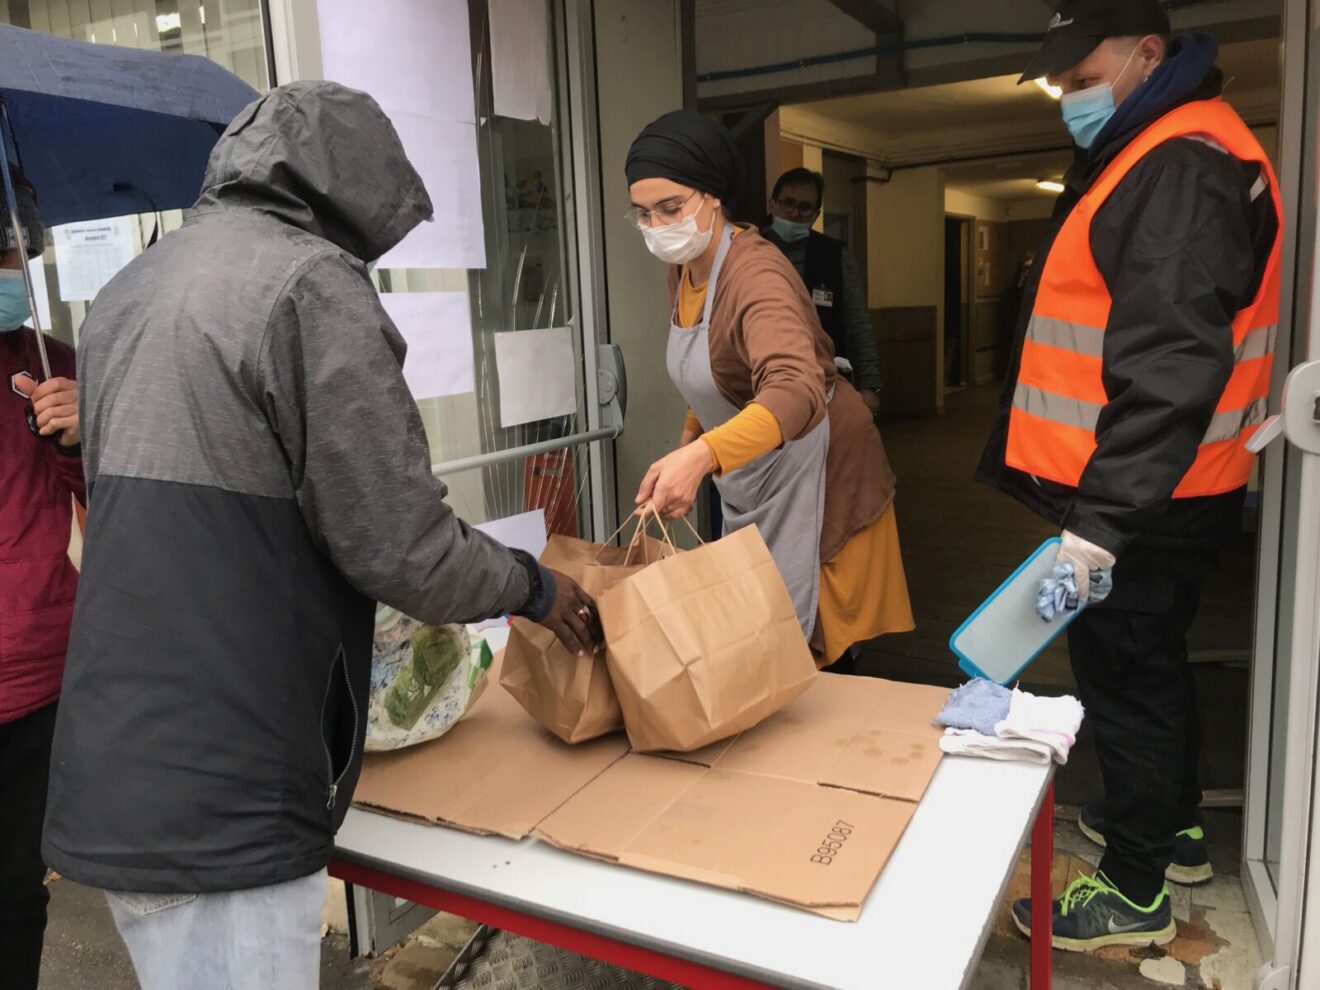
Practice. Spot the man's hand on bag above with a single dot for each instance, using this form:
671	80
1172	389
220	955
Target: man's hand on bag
672	483
573	618
872	400
55	401
1086	558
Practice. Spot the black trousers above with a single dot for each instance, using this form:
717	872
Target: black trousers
24	769
1129	656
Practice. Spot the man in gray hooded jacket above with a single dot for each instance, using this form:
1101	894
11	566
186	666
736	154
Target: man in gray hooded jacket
259	477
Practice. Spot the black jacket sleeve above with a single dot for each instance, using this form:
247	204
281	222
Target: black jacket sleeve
1174	245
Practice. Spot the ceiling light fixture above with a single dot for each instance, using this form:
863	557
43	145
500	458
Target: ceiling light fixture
1050	186
1054	92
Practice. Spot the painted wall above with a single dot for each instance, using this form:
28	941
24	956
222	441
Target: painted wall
638	67
905	282
968	204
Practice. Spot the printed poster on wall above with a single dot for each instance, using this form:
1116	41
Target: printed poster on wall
520	59
88	255
37	269
537	375
438	329
415	58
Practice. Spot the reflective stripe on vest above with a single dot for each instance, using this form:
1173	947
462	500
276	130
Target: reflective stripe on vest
1060	392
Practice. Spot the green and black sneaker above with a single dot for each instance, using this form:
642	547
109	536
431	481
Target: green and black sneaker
1191	858
1092	914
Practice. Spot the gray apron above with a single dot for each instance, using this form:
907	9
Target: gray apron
781	492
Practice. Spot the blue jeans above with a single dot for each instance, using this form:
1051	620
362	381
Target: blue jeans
263	937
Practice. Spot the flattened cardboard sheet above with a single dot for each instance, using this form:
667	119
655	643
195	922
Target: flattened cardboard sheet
495	773
804	809
793	841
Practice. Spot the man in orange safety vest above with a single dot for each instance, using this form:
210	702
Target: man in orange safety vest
1142	367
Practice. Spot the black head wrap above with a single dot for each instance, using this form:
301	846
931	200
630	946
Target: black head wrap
687	147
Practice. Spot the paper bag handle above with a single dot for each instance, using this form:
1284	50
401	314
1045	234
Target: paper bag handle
639	520
645	515
693	530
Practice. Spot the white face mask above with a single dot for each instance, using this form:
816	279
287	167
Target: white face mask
679	243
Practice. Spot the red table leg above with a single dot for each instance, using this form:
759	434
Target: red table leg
648	961
1042	894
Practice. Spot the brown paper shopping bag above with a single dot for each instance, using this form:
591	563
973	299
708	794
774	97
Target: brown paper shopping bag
704	644
572	696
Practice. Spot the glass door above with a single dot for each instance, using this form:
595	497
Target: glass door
540	288
1281	775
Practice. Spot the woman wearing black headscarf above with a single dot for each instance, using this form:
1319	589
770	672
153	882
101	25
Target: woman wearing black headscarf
792	447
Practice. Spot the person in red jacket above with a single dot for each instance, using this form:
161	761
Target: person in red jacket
40	476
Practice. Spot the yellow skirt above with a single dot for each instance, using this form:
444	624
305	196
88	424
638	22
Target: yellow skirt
863	591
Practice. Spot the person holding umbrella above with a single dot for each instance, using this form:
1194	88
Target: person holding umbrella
40	476
260	478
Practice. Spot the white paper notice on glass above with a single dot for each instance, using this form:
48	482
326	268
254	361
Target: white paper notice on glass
438	329
411	55
88	255
537	375
525	531
520	59
37	270
444	152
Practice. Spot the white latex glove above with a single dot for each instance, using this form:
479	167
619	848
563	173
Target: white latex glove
1085	558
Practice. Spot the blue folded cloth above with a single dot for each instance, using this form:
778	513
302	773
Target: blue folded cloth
978	705
1057	595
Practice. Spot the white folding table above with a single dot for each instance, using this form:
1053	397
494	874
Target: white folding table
923	927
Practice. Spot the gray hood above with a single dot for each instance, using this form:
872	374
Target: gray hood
324	158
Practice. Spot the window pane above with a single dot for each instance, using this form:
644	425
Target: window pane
529	283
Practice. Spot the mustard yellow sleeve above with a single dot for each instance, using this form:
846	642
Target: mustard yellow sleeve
753	432
692	425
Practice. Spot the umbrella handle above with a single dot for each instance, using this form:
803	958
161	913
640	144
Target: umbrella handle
30	415
6	136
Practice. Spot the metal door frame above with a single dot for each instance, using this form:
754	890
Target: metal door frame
1290	590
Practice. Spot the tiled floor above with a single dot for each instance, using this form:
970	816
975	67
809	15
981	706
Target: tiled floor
1216	947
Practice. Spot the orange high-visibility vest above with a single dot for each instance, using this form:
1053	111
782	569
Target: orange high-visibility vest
1060	392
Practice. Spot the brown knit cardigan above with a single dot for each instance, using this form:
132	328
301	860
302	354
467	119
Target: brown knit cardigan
767	344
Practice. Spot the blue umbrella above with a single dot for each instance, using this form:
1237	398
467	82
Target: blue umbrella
102	130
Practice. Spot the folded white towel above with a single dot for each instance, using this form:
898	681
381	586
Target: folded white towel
1036	730
966	742
1050	721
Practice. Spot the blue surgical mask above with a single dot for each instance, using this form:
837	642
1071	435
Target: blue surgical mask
1086	112
790	231
14	308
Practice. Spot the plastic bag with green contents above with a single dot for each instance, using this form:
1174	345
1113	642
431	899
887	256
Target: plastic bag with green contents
423	679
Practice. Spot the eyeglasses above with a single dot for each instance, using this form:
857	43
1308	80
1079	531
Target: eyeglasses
796	208
668	212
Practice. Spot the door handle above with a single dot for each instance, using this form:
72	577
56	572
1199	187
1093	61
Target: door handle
1299	417
612	386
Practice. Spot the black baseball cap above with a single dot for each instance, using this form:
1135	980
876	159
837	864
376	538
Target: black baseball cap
1079	26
